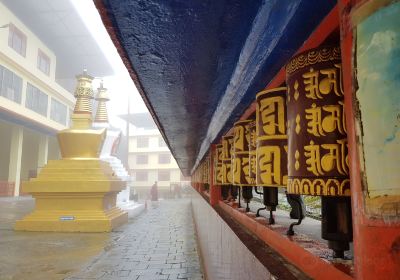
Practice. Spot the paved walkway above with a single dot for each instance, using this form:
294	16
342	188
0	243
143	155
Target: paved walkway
159	244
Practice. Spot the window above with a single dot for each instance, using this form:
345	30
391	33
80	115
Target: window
142	159
164	158
142	142
10	85
161	142
163	175
58	112
36	100
17	40
43	62
141	175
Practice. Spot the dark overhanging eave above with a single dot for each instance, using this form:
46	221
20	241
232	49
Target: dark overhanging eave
105	16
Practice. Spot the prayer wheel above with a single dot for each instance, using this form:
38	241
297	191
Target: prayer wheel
240	160
252	152
218	165
219	172
205	168
271	151
317	147
227	177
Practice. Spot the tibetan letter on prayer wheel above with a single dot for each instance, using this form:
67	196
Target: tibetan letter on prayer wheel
240	156
252	152
227	177
271	152
317	148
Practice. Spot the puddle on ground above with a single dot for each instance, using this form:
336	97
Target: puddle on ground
43	255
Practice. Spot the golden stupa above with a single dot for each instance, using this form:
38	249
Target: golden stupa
78	192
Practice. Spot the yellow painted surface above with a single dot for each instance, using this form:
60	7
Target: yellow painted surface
74	196
77	143
77	193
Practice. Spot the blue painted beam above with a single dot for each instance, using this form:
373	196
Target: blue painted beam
278	31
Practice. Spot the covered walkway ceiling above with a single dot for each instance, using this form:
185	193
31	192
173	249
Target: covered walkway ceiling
198	64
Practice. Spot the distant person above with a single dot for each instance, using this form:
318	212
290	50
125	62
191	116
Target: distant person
154	192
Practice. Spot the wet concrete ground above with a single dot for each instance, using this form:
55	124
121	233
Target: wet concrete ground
158	244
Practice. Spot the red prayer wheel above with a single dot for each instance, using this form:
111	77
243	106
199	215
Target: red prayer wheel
317	148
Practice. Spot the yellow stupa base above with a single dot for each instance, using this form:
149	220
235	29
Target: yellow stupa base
74	195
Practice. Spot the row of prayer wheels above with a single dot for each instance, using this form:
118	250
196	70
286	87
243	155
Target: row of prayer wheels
297	141
202	173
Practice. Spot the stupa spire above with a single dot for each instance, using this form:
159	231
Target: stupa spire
82	115
102	98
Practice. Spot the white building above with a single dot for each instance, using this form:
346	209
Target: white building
150	160
37	77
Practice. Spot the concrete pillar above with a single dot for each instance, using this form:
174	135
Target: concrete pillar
14	168
43	150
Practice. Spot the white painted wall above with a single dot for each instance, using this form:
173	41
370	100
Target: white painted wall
26	68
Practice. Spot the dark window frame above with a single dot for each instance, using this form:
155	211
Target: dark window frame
143	173
10	85
163	174
55	108
14	35
43	62
144	144
36	100
142	159
162	158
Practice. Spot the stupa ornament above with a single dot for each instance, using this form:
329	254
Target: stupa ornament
81	141
102	98
82	115
111	143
